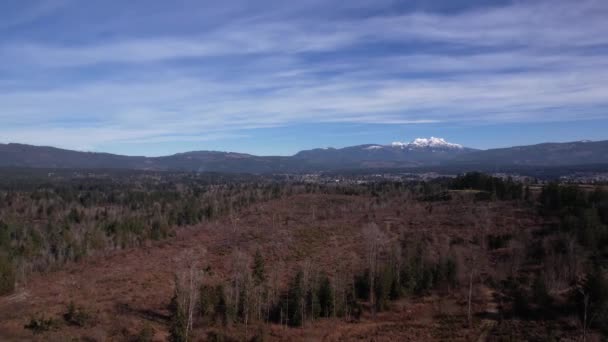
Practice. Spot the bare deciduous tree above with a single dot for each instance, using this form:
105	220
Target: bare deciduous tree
375	240
187	284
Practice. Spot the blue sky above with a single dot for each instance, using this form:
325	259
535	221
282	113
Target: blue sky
274	77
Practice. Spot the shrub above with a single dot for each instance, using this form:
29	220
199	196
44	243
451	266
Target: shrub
39	324
77	315
146	334
498	241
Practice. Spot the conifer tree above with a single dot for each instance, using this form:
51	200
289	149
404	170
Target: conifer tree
295	300
325	295
259	274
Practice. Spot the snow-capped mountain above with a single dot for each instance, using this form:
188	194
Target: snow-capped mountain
432	142
425	143
420	151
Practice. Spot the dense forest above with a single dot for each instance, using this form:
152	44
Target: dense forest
552	272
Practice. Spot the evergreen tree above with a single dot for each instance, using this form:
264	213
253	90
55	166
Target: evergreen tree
7	275
527	194
451	271
326	297
258	272
596	287
178	323
221	307
541	295
208	301
362	285
295	300
382	288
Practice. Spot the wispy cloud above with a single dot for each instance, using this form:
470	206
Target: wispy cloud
543	25
23	15
528	61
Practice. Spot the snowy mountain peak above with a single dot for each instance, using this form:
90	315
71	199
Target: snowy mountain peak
424	142
374	147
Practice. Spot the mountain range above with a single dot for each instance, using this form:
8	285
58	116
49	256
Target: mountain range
421	152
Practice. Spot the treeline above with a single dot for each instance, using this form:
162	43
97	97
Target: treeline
494	187
581	212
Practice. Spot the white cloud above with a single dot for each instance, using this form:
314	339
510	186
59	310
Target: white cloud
532	61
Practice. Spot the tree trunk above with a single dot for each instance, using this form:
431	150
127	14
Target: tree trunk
469	318
586	302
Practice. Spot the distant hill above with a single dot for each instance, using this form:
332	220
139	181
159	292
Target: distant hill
547	154
432	152
20	155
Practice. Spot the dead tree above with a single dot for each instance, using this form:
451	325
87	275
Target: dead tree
187	285
375	241
470	296
472	268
